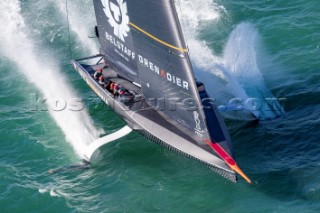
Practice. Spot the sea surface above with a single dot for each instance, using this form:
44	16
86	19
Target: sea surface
258	50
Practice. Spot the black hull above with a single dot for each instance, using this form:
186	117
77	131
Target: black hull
143	118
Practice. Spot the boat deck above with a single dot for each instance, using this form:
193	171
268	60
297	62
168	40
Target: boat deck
141	106
110	75
151	122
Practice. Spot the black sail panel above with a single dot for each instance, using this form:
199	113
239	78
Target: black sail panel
115	37
143	41
165	71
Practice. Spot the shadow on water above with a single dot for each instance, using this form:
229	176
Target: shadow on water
77	167
291	184
281	155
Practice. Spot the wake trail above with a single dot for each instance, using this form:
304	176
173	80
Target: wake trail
42	72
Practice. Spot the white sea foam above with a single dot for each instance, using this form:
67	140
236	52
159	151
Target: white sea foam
236	74
53	193
81	22
42	190
240	59
191	15
16	45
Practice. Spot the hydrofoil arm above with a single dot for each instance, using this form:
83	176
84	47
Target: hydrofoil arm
104	140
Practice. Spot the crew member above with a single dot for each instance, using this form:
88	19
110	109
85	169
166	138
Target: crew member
101	80
121	92
111	87
98	73
107	85
115	90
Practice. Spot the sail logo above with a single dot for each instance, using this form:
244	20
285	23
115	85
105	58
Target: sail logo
117	13
198	129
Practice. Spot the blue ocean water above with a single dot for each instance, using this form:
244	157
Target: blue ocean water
240	49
